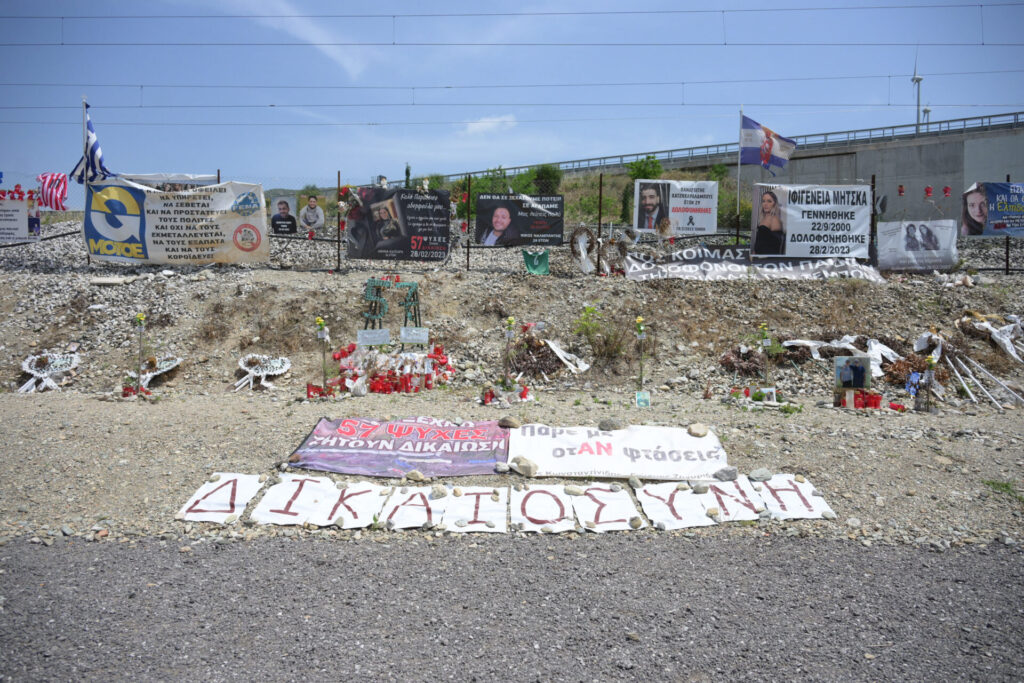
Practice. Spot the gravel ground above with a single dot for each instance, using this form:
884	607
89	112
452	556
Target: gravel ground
920	569
618	606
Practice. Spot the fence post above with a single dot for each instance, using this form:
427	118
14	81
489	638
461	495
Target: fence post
600	202
873	243
469	216
338	198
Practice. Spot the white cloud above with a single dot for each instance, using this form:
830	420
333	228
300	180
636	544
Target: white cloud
352	60
490	124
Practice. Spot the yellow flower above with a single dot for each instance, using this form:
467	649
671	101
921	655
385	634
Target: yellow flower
639	320
140	318
510	322
319	323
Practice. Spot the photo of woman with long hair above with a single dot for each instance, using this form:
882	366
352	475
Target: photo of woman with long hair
770	237
975	213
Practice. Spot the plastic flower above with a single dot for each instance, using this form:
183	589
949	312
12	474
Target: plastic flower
510	322
640	324
140	319
320	324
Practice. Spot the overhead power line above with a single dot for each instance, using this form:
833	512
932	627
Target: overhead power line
428	15
235	86
348	105
647	44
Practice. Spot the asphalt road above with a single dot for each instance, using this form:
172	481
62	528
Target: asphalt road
620	606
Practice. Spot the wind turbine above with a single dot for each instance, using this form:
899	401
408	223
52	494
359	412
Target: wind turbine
916	80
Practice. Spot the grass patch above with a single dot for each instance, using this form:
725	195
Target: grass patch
1004	487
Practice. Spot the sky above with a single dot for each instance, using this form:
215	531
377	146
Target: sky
290	92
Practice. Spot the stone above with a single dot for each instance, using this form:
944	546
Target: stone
590	524
853	523
457	492
799	479
573	490
698	430
635	522
760	474
66	530
828	514
700	487
727	473
713	513
610	424
615	487
635	482
231	519
694	373
682	486
509	422
415	475
501	467
437	491
496	497
489	524
524	466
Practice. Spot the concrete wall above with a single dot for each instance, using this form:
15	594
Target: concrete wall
956	160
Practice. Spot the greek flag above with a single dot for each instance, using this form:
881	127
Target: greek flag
761	145
90	167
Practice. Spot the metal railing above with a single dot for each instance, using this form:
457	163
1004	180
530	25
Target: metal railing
804	142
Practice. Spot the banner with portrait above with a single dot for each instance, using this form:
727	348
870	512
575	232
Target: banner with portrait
399	224
505	220
283	220
676	207
917	245
810	221
126	222
993	210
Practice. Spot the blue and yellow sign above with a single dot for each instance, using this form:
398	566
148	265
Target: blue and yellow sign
115	222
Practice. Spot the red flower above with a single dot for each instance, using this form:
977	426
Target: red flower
671	240
309	235
465	197
463	226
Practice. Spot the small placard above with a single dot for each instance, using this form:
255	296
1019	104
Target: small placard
414	335
541	325
642	335
643	399
373	337
766	342
510	334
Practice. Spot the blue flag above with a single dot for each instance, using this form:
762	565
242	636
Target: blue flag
90	167
761	145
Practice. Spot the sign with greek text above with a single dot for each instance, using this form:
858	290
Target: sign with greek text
811	221
993	210
130	223
669	507
733	263
478	509
435	447
504	220
402	225
648	452
676	207
413	507
542	509
601	508
14	221
787	498
414	335
225	495
296	500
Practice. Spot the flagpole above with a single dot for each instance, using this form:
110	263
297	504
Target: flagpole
85	174
739	149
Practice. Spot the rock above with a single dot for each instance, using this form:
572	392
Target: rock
185	549
615	487
799	479
102	533
546	530
635	522
853	523
943	460
415	475
760	474
437	491
590	524
230	519
682	486
489	524
728	473
713	513
694	373
700	487
501	467
496	497
457	492
698	430
635	482
509	422
610	424
524	466
66	530
573	490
